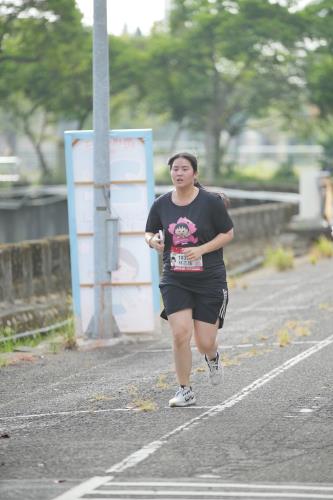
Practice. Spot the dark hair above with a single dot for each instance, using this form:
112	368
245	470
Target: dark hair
181	224
194	163
192	159
188	156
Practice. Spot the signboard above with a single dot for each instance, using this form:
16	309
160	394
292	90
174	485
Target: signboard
135	296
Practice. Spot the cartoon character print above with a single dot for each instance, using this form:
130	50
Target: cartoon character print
183	232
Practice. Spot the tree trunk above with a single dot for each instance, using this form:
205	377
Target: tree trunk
42	160
38	149
175	137
213	154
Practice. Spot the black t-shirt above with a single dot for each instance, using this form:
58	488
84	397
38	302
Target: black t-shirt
187	226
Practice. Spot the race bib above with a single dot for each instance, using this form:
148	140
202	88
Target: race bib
179	262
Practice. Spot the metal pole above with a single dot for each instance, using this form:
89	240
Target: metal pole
103	326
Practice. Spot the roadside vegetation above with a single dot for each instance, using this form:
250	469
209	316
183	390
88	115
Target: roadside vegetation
292	330
280	258
139	401
321	249
50	342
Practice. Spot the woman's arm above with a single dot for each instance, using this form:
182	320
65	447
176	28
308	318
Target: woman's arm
220	241
153	240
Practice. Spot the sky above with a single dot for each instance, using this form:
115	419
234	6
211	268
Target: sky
133	13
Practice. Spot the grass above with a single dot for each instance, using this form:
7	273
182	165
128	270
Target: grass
10	345
236	360
227	361
162	382
145	405
200	369
102	397
66	332
326	307
140	403
280	258
301	329
4	362
322	249
292	328
284	337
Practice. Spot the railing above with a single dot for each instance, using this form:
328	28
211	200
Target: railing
243	194
12	162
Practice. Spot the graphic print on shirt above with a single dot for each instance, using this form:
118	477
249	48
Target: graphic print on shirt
183	231
182	234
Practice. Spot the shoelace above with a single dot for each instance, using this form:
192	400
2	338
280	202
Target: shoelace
213	364
182	391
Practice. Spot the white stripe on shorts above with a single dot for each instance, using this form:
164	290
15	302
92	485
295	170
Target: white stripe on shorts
224	304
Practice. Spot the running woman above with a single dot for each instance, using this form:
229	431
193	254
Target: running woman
191	226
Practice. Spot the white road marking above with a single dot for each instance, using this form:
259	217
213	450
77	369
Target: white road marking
143	453
149	449
198	494
189	489
200	484
63	413
234	346
108	410
84	488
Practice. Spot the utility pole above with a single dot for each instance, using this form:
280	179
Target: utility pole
103	319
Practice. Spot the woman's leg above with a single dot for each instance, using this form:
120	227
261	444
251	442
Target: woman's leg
205	336
206	340
181	324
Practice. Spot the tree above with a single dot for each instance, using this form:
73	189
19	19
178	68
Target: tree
318	17
222	62
45	57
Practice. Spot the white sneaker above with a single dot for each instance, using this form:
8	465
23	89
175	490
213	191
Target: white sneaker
183	397
215	370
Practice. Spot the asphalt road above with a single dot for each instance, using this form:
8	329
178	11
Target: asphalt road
77	429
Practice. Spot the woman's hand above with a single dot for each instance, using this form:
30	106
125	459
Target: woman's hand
193	253
156	243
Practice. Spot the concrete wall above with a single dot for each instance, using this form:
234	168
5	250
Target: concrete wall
34	268
261	221
256	228
31	218
35	283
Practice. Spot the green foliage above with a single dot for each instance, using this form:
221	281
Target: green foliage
7	345
279	258
322	248
63	336
223	63
216	65
318	17
257	176
45	57
285	172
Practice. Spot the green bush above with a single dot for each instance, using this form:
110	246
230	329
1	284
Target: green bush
322	248
279	258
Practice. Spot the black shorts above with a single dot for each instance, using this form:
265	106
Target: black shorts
205	307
